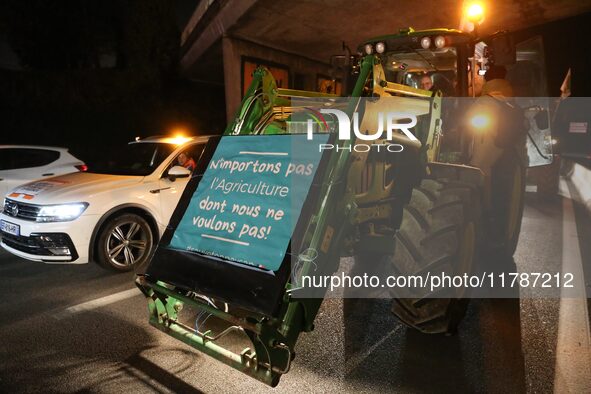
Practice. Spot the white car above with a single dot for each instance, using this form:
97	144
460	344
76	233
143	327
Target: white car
22	163
113	214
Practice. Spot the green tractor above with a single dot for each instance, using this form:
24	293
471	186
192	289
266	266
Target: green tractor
429	201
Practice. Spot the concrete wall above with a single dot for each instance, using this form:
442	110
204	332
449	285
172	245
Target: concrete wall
235	50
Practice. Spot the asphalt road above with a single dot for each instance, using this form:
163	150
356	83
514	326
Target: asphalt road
58	333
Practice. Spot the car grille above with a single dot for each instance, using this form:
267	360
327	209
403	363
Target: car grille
21	210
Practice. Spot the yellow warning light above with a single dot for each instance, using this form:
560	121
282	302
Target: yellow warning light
178	137
475	13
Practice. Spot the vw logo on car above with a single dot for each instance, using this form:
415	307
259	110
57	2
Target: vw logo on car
11	209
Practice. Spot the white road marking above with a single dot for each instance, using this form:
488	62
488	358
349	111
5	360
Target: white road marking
225	239
572	372
97	303
264	153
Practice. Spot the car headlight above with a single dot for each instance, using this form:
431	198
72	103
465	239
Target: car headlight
61	212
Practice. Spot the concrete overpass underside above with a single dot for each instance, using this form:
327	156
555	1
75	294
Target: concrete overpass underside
297	38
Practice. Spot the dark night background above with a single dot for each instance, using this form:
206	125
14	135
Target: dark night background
93	74
96	73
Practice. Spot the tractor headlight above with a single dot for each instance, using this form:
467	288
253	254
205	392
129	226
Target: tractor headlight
61	212
480	121
439	42
380	47
368	49
425	42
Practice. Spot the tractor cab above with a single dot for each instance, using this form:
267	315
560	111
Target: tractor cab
410	55
452	64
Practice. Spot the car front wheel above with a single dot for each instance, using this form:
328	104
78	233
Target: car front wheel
124	243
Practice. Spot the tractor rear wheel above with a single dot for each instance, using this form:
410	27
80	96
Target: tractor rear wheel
439	233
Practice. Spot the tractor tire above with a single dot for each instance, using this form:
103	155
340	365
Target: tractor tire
439	233
507	201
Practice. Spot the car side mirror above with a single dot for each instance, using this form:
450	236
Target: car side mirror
178	172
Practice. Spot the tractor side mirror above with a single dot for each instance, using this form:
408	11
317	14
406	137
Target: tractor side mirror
502	50
539	139
178	172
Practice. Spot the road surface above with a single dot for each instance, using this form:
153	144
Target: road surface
83	329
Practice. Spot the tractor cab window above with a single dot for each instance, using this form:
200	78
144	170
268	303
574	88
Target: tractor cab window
408	68
527	78
528	75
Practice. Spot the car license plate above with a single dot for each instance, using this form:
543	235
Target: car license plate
10	228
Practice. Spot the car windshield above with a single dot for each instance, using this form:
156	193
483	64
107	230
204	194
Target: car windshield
408	68
138	159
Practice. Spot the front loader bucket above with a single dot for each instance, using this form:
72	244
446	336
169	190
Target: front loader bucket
164	305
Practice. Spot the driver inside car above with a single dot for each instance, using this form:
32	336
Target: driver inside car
186	161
